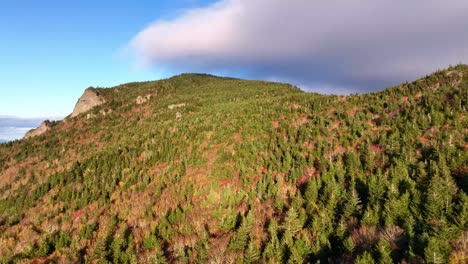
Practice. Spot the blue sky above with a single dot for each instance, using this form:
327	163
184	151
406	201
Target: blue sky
51	50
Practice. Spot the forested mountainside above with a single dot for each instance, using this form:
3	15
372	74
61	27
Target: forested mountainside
198	168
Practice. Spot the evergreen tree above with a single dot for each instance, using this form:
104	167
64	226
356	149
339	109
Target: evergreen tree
239	240
252	253
351	202
291	225
439	196
365	258
384	252
436	250
274	250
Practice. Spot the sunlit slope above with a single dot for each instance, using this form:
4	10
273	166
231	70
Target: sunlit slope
198	168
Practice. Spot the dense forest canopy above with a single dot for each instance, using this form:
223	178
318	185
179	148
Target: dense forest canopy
198	168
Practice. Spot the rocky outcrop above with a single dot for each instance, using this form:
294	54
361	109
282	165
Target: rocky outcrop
172	106
44	127
87	101
143	99
455	76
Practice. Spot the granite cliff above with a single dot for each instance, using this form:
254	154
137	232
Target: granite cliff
87	101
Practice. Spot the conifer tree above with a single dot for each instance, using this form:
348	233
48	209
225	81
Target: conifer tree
239	240
384	252
291	225
299	251
351	202
439	197
252	253
202	249
273	250
365	258
436	251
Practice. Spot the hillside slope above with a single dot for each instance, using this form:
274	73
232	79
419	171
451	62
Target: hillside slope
198	168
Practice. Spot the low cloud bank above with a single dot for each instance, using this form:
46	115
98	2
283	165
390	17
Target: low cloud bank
12	128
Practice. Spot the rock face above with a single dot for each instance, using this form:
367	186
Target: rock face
44	127
87	101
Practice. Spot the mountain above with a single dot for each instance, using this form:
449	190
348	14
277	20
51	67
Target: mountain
198	168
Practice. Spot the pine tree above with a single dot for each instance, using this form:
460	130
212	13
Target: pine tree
291	225
239	240
384	252
371	214
437	250
274	250
311	196
202	248
351	202
376	185
365	258
439	196
299	251
252	254
349	246
100	251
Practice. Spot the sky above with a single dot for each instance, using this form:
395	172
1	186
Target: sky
51	51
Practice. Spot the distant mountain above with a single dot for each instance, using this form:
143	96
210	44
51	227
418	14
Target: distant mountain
203	169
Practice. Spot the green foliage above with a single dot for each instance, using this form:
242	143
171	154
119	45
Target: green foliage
240	238
274	250
252	253
214	169
86	231
291	225
365	258
202	249
384	252
437	250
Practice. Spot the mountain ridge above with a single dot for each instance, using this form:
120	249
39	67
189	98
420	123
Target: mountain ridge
91	98
223	169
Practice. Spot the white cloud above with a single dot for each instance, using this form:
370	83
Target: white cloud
12	127
12	133
338	43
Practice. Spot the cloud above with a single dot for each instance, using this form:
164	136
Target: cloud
12	128
349	45
11	121
12	133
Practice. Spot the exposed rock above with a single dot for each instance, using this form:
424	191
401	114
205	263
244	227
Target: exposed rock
143	99
44	127
178	115
455	76
102	112
89	116
172	106
87	101
105	112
